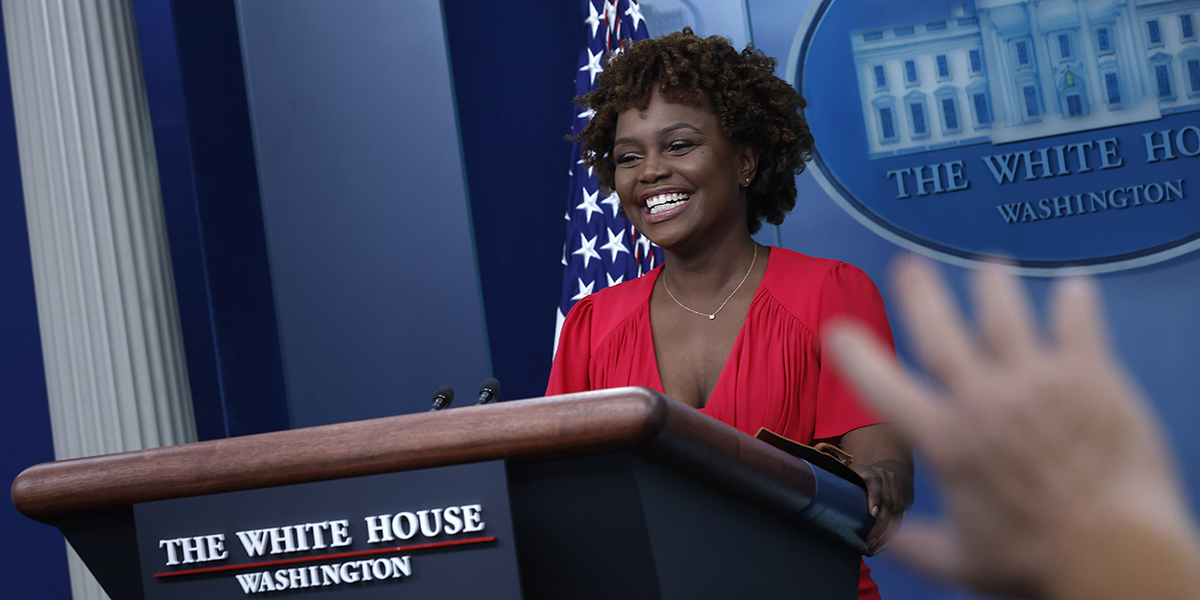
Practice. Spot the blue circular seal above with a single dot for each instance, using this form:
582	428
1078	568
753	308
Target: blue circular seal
1059	134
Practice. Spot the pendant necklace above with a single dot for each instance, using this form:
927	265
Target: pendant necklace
714	315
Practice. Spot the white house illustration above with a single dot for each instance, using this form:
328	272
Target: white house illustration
1021	69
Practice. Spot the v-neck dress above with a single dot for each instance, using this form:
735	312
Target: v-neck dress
773	377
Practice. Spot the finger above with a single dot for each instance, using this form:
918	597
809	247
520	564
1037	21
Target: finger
1005	315
874	373
870	476
875	535
930	548
880	534
934	322
889	528
887	488
1076	316
895	496
874	498
891	512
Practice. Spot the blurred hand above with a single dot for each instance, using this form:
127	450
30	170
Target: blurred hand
1056	482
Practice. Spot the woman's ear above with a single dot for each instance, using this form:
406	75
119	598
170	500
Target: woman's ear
748	159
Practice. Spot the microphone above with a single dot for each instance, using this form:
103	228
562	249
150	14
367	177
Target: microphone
442	397
489	391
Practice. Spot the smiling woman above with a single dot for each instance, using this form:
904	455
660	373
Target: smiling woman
702	143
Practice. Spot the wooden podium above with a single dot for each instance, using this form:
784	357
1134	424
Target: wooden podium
619	493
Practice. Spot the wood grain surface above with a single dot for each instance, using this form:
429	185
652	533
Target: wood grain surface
636	419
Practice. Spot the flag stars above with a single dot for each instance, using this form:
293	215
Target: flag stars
635	12
559	318
593	67
589	204
606	21
614	201
593	18
584	290
583	157
587	249
616	244
610	14
643	244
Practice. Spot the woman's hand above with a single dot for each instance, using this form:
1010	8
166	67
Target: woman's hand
884	462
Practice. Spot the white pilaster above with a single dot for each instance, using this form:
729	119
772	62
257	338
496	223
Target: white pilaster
110	332
1041	58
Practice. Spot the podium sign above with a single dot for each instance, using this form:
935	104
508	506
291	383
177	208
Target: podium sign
444	532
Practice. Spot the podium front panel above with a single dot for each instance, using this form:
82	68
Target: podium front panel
617	525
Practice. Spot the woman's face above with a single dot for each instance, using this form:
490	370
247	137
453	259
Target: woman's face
679	176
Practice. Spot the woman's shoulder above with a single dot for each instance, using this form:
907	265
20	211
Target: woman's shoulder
634	290
807	285
791	270
614	304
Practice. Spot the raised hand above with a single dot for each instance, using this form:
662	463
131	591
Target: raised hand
1056	481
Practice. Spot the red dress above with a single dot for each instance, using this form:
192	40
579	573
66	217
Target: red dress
773	376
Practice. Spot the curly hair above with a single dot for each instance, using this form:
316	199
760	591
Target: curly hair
751	104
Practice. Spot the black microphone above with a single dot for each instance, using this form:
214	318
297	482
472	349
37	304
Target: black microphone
489	391
442	397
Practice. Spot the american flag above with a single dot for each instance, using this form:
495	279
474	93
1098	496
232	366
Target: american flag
601	249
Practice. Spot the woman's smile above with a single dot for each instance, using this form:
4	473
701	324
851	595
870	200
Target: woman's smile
663	202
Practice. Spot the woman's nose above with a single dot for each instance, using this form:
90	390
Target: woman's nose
654	168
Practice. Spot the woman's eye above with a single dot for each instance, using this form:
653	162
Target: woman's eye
680	146
625	159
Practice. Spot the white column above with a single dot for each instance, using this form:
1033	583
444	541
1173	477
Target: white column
1097	99
998	72
110	332
1137	56
1045	67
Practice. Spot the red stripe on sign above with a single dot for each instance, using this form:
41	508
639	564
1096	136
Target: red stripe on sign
288	561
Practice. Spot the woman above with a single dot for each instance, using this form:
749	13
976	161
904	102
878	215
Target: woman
702	143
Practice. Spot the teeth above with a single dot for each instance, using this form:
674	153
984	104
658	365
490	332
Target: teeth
662	202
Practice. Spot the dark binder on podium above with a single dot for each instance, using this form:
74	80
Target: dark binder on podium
826	456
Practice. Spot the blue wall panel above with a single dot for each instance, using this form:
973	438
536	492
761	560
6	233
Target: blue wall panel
191	59
363	193
514	109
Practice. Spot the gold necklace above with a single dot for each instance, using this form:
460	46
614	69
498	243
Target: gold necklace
714	315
